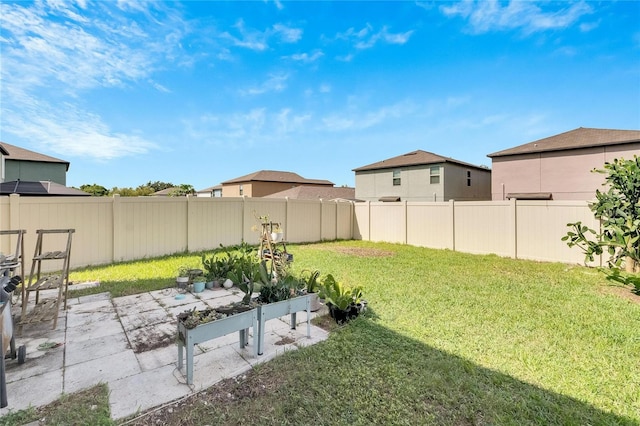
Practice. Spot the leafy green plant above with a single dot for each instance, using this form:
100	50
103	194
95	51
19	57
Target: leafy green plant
194	317
183	271
339	295
618	210
310	280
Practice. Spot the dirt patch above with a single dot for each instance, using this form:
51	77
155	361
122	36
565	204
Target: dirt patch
360	251
622	291
325	322
150	341
229	391
285	341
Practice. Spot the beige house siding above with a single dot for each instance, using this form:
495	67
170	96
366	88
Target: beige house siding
455	183
565	174
415	183
258	189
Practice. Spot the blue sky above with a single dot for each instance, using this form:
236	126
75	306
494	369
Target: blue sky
201	92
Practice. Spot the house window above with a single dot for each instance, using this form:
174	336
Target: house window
241	190
434	177
468	177
396	177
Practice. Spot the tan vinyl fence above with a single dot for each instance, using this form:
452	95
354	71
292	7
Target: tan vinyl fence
127	228
518	229
112	229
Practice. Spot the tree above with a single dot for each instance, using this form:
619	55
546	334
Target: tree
182	191
95	190
618	210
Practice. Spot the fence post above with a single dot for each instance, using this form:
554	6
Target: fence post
368	220
452	216
320	225
514	226
406	222
14	212
115	227
337	218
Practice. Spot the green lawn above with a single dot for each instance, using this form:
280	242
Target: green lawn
450	338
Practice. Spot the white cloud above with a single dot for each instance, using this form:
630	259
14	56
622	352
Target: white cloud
249	38
305	57
66	130
244	130
287	34
54	52
325	88
275	83
355	119
491	15
366	38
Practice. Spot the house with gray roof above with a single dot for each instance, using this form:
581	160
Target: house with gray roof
22	164
308	192
422	176
266	182
560	167
30	173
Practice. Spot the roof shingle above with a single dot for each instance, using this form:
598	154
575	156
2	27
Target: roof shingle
581	137
276	176
414	158
17	153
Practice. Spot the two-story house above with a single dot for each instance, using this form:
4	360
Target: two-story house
27	173
422	176
266	182
560	167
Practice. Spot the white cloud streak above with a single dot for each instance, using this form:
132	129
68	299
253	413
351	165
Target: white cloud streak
275	83
366	38
491	15
53	52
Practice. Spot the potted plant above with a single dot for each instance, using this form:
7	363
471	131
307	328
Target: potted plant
277	233
344	303
199	283
183	277
312	286
195	327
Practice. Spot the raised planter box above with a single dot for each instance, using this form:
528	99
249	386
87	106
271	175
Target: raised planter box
189	337
279	309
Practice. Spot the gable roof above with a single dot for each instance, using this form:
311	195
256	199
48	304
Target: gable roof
276	176
582	137
209	189
415	158
20	154
39	188
304	192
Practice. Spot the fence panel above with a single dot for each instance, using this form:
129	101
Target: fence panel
361	221
344	227
214	221
485	227
430	225
149	226
303	221
388	222
329	224
542	224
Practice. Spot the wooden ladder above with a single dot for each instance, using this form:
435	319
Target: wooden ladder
47	309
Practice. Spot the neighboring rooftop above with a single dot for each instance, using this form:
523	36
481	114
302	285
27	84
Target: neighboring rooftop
277	176
414	158
28	188
316	193
581	137
17	153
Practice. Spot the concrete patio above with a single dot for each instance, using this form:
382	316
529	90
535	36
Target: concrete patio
129	343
